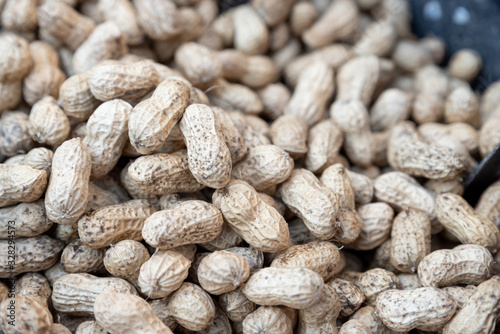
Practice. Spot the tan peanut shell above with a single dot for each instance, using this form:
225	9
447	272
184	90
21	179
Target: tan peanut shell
290	133
199	64
190	222
163	273
75	97
152	120
10	95
403	192
264	166
16	58
29	314
250	32
67	192
125	258
322	257
410	240
325	140
488	205
335	177
119	312
321	316
209	157
479	313
314	87
191	307
236	305
111	224
375	281
222	271
30	220
252	71
64	23
40	158
427	309
21	184
267	319
105	42
75	294
460	293
14	133
90	327
106	134
403	153
158	20
254	257
233	137
376	226
133	191
116	80
226	239
47	122
274	98
350	296
459	218
368	317
258	223
79	258
34	285
313	202
272	286
354	326
31	254
99	198
409	281
164	173
465	264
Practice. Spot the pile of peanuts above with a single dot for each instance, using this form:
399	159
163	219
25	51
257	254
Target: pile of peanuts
283	167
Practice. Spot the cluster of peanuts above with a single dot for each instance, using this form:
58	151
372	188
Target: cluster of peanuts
283	167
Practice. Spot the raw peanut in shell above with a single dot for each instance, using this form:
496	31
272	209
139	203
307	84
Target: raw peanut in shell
75	97
272	286
29	314
290	133
376	226
106	135
124	15
163	273
16	58
75	294
349	295
480	312
322	316
67	192
152	120
191	307
10	95
354	326
32	254
116	80
314	87
267	319
324	142
317	205
21	184
34	285
190	222
409	281
99	198
234	139
30	220
112	309
375	281
235	97
47	122
236	305
164	173
40	158
198	63
158	19
257	223
125	258
254	256
357	79
114	223
14	133
79	258
208	155
250	32
273	12
90	327
264	166
488	205
461	294
322	257
222	271
335	177
465	264
410	240
427	309
226	239
459	219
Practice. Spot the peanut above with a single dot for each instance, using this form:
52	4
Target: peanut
67	191
35	286
40	158
376	226
30	219
236	305
21	184
250	32
29	313
47	122
324	141
267	319
16	58
321	316
272	286
375	281
427	309
75	97
14	133
465	264
79	258
349	295
125	258
258	223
